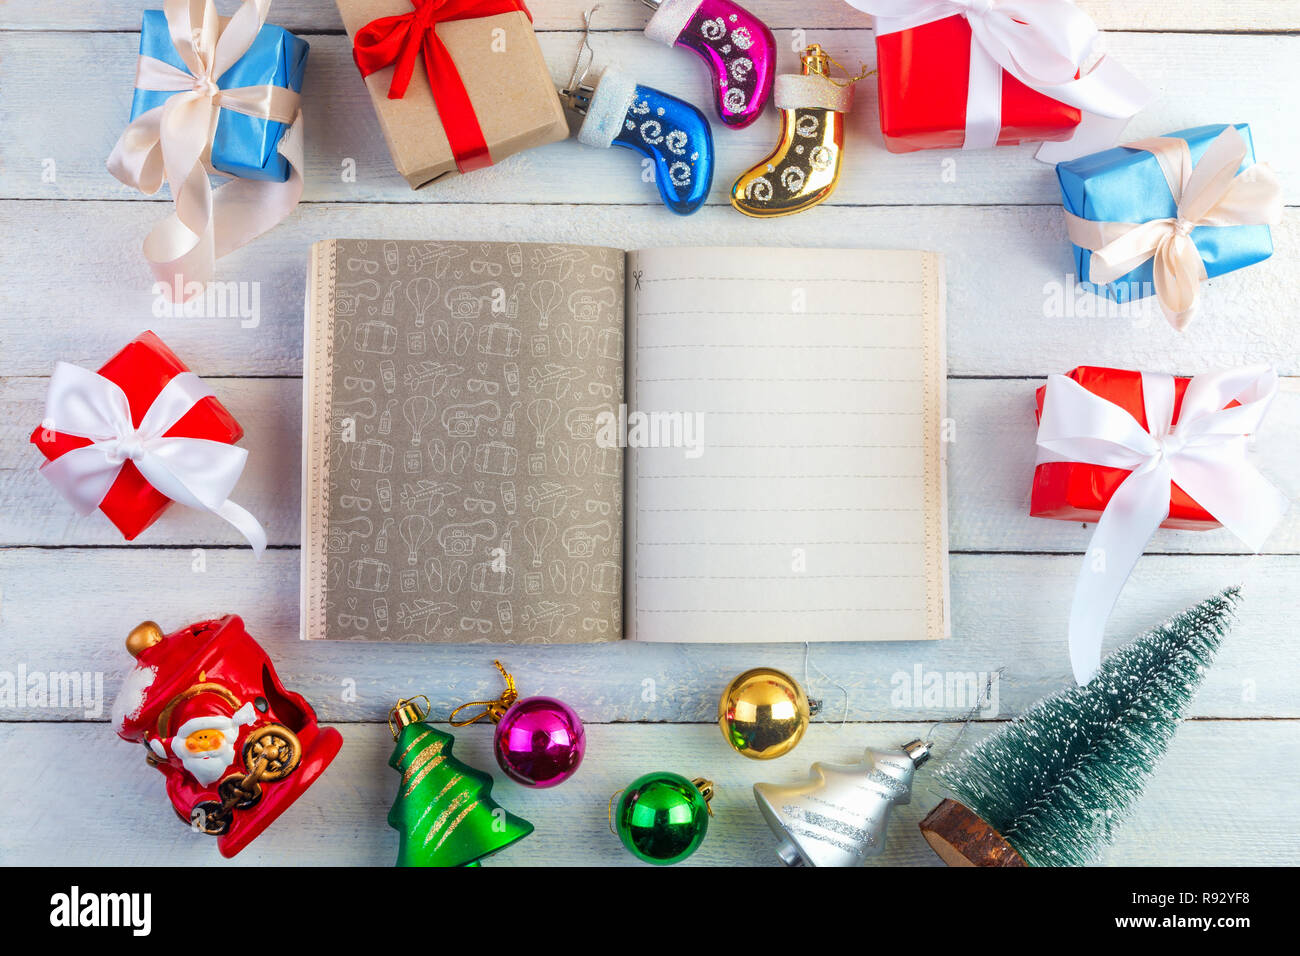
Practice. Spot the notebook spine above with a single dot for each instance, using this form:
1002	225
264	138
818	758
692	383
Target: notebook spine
318	376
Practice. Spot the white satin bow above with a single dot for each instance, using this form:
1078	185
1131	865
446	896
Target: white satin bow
1204	454
1209	193
174	140
1043	44
193	471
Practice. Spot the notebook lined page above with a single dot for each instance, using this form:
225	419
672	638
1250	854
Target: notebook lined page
803	499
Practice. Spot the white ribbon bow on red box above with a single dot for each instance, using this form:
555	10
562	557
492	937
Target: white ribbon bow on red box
1043	44
196	472
1205	453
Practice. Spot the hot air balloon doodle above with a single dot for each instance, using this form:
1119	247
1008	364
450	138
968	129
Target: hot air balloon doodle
547	295
415	530
542	415
423	294
538	535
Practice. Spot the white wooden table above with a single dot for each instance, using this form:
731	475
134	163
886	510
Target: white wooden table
73	286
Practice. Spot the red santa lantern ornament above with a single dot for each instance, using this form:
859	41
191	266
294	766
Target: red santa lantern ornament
235	748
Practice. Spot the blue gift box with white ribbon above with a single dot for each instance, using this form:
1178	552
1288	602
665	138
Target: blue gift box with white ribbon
1127	185
246	147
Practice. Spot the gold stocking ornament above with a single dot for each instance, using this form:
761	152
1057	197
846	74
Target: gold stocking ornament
805	167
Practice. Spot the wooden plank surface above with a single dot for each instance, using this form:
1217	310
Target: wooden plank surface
74	287
1229	816
313	15
990	469
1009	311
1195	76
1009	611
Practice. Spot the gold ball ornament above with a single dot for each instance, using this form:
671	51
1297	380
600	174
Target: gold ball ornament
764	713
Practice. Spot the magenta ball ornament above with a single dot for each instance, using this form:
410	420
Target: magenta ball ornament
540	742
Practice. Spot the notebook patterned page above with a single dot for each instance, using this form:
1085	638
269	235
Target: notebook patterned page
453	489
805	498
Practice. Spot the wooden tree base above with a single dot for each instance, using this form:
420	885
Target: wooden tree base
962	839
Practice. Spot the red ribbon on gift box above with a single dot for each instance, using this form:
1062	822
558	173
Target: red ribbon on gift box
399	41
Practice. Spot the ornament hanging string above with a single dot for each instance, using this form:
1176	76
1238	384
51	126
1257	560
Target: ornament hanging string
980	702
612	798
493	709
815	706
585	51
849	78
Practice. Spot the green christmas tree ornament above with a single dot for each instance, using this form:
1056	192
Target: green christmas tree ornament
1051	787
444	809
662	817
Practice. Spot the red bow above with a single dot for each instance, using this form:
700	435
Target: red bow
398	41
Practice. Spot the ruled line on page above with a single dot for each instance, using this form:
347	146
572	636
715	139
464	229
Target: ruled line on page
854	510
760	544
759	610
787	348
815	476
769	380
805	280
782	313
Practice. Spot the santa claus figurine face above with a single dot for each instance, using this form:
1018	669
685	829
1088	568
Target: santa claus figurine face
205	744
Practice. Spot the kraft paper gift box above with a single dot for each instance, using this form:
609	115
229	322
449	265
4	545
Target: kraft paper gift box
1127	185
243	146
513	98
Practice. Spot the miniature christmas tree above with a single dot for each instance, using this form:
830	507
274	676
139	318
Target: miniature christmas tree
444	809
1050	788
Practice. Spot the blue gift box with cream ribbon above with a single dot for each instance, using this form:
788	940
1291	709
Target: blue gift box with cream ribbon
1127	185
242	146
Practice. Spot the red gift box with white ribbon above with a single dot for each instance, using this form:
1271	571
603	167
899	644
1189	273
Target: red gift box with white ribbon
142	432
1135	451
925	84
973	74
1075	491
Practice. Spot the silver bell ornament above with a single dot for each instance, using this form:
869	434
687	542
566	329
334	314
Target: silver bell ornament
838	817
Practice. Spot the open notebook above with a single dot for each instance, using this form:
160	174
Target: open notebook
555	443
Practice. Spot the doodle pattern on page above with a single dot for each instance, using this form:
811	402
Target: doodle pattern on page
466	498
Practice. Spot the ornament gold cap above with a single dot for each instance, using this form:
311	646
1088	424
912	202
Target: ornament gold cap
706	789
405	712
815	60
142	637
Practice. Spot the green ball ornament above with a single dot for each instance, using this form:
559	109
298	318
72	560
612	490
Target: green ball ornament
662	817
